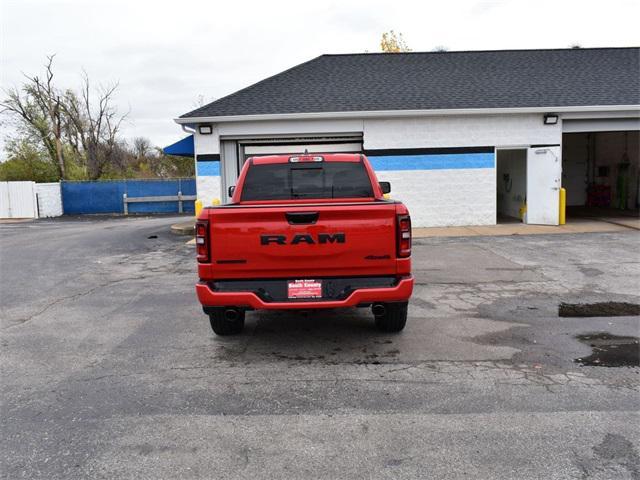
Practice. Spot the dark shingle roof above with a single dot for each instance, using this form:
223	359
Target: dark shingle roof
449	80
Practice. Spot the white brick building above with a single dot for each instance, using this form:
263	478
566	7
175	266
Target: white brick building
465	138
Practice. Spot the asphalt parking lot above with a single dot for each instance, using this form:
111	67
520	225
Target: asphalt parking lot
110	369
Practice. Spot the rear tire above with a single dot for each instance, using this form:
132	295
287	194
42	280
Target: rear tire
222	326
394	318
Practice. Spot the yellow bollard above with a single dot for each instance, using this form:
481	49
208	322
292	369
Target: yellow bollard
563	206
215	201
522	212
198	207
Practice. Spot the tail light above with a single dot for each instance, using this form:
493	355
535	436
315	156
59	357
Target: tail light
202	241
404	235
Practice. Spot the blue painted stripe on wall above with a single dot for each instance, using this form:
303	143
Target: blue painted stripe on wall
433	162
208	169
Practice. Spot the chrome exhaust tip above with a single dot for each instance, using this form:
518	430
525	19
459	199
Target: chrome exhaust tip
378	309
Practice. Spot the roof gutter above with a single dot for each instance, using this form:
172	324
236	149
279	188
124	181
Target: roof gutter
405	113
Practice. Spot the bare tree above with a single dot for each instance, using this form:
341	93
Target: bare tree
87	122
141	147
77	132
51	99
95	124
38	108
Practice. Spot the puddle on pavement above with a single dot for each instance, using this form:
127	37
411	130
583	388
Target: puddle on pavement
610	350
600	309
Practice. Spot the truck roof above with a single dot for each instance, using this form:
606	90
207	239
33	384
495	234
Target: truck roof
308	157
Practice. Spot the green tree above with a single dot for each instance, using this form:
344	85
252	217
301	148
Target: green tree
167	166
25	162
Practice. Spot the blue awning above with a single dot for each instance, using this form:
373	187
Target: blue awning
182	148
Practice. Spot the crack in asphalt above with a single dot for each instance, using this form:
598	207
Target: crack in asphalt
22	321
512	375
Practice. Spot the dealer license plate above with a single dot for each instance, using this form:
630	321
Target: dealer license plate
304	288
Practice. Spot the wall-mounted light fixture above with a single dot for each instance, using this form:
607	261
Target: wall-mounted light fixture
550	119
205	129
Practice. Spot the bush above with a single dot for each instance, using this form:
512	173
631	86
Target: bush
32	169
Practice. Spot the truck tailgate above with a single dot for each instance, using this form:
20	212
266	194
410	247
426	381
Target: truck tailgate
343	239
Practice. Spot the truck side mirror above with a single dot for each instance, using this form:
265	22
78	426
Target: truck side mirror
232	189
385	187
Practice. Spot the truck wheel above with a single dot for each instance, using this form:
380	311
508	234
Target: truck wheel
392	317
225	323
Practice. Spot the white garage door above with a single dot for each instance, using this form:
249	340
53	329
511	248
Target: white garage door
251	150
353	145
235	152
600	125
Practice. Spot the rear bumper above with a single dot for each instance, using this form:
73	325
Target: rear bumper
398	293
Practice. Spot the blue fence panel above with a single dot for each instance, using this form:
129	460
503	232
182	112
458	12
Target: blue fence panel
107	196
153	188
92	197
188	187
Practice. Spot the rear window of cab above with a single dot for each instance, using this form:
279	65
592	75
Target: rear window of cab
317	180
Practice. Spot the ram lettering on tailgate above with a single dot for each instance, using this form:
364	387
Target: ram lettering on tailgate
323	238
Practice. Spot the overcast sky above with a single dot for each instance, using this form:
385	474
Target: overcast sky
166	54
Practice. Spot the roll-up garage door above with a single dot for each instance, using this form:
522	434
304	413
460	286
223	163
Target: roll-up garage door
236	151
299	145
601	125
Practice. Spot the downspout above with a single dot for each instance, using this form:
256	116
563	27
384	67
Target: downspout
192	131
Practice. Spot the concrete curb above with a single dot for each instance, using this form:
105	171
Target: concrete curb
630	223
573	226
184	228
16	220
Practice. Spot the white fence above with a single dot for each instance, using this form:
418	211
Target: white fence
30	200
18	200
49	199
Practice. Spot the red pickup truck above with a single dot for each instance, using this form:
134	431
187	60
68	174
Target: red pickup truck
305	232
